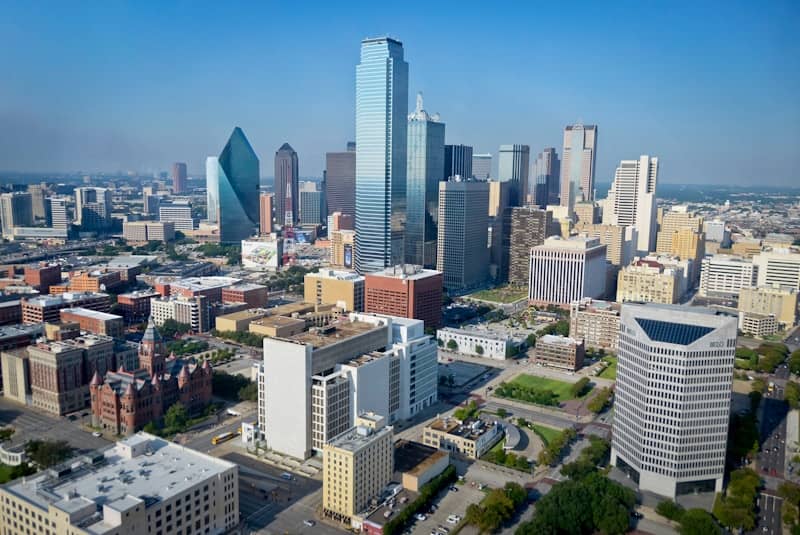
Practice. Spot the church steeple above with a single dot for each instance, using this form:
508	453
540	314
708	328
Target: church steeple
151	350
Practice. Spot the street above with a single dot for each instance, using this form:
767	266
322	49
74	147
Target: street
771	462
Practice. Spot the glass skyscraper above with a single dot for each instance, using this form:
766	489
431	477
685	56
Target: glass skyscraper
577	165
546	172
513	163
287	177
381	130
426	168
232	183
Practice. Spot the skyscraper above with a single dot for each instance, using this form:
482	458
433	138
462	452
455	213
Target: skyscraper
310	207
93	208
458	161
340	181
265	214
15	211
481	166
381	137
287	177
58	213
232	183
513	164
632	200
673	397
37	192
577	165
546	172
426	168
178	177
528	229
462	252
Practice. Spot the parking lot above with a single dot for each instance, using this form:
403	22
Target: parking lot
30	424
452	502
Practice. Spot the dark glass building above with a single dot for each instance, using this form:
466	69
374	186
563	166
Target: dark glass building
340	181
287	179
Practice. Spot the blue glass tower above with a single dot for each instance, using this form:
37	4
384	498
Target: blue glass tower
426	168
381	110
232	183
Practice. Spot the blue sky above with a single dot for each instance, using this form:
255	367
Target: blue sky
709	87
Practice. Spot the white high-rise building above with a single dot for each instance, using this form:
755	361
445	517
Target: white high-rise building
724	275
673	397
779	267
481	166
632	200
179	213
563	271
58	213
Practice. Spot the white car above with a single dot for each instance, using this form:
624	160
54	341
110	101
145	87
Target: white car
453	519
309	523
97	434
420	517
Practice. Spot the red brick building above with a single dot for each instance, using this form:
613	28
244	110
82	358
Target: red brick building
407	291
125	401
135	306
46	308
94	321
255	295
42	276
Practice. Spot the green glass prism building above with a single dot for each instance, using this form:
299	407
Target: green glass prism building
426	168
381	129
232	183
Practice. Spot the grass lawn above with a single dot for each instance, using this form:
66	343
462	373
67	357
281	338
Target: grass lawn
5	473
503	294
547	434
559	388
611	370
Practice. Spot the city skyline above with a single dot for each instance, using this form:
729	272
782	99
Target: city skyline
690	86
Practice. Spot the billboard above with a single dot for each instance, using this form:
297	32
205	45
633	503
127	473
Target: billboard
262	254
348	255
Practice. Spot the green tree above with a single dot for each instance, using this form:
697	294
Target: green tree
530	340
170	328
794	362
502	413
758	385
439	342
579	387
670	510
600	401
791	394
249	392
176	417
152	428
698	522
479	349
736	508
47	453
452	345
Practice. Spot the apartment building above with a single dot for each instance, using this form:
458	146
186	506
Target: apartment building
595	322
647	281
344	289
559	352
191	311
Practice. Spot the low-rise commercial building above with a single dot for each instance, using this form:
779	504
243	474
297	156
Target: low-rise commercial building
418	464
357	466
94	321
46	309
95	281
135	306
344	289
191	311
255	295
143	484
559	352
756	324
471	438
780	302
474	342
41	276
239	321
595	322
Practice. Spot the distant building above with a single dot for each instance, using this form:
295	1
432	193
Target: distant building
632	200
514	167
596	323
255	295
559	352
492	345
16	210
357	465
266	215
563	271
232	185
311	204
499	233
668	349
135	306
725	275
677	219
405	291
58	213
343	243
546	170
97	280
45	309
142	231
93	208
778	268
528	229
191	311
781	302
177	213
619	241
287	177
178	177
462	253
340	180
646	281
94	322
344	289
577	165
481	166
471	438
457	161
38	205
41	276
756	324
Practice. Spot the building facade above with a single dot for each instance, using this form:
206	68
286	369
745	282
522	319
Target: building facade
405	291
513	163
778	268
381	162
426	168
481	166
485	344
632	200
457	161
178	177
462	254
725	275
648	281
673	397
191	311
559	352
344	289
596	323
563	271
340	178
577	165
780	302
528	228
287	180
546	173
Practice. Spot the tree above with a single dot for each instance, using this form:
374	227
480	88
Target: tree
228	386
170	328
530	340
791	394
439	342
794	362
736	508
452	345
670	510
176	417
600	401
758	385
502	413
249	392
47	453
152	428
579	386
522	422
698	522
479	349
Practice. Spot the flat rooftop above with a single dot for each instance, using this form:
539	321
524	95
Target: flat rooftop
94	314
555	340
66	297
406	271
334	332
247	286
574	243
489	335
414	458
470	429
357	437
141	468
337	275
204	283
12	331
140	293
244	314
276	321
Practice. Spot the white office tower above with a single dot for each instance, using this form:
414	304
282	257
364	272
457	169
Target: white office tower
778	267
673	397
632	200
58	213
724	275
212	189
563	271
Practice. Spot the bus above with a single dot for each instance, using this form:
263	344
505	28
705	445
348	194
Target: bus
223	437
